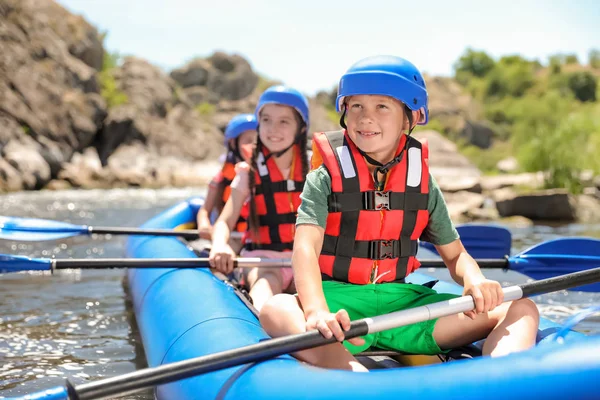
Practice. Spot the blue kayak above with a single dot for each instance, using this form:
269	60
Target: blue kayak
186	313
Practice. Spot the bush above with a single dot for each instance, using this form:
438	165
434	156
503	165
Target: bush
206	108
473	64
583	85
594	58
564	150
109	88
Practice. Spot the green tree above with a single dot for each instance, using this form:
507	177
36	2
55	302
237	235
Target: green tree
511	76
583	85
594	58
473	63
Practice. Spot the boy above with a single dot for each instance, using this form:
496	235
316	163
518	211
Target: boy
362	212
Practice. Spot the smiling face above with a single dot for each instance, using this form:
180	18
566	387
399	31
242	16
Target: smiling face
277	127
246	143
375	124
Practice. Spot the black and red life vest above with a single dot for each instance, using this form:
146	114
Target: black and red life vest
372	236
277	201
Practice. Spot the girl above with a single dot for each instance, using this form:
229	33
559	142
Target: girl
267	192
363	210
240	139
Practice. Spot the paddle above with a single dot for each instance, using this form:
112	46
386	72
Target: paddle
547	259
482	241
487	241
34	229
147	378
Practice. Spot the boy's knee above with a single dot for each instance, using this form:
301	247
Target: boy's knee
526	308
273	311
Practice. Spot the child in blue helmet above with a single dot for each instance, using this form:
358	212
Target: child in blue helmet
266	192
240	139
364	206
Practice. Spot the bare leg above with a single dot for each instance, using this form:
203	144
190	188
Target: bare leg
263	285
282	315
509	328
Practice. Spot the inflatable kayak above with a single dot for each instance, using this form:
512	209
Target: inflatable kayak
186	313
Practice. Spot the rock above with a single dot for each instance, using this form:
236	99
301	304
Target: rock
320	120
48	88
194	73
468	183
156	118
530	179
146	86
457	111
445	162
592	191
482	214
548	205
121	126
588	208
517	221
507	165
477	133
10	179
232	77
84	170
460	203
34	171
58	184
81	38
587	177
200	94
228	77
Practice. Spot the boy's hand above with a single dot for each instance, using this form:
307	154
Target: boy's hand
487	294
221	258
332	324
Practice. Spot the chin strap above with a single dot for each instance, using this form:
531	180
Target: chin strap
282	152
383	168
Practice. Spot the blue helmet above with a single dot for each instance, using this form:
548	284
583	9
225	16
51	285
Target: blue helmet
286	96
387	76
240	124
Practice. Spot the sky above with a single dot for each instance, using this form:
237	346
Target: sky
309	44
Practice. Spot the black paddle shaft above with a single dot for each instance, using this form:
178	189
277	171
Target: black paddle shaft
146	378
482	262
186	234
267	349
149	263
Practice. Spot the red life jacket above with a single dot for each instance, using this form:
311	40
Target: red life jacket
371	236
277	201
227	175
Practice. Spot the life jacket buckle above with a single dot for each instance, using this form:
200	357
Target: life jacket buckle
376	200
381	249
382	200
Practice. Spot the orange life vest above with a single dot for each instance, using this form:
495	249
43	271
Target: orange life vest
227	175
371	236
277	201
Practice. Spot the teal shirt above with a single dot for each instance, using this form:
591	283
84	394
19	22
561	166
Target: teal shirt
313	210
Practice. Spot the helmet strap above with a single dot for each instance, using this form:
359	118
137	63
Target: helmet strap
384	168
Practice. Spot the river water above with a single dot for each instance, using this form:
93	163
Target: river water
80	325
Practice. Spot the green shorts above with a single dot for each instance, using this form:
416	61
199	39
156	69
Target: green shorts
363	301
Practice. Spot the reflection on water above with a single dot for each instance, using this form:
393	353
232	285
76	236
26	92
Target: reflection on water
72	324
78	324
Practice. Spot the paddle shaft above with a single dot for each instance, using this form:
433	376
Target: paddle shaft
242	262
143	379
150	263
186	234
